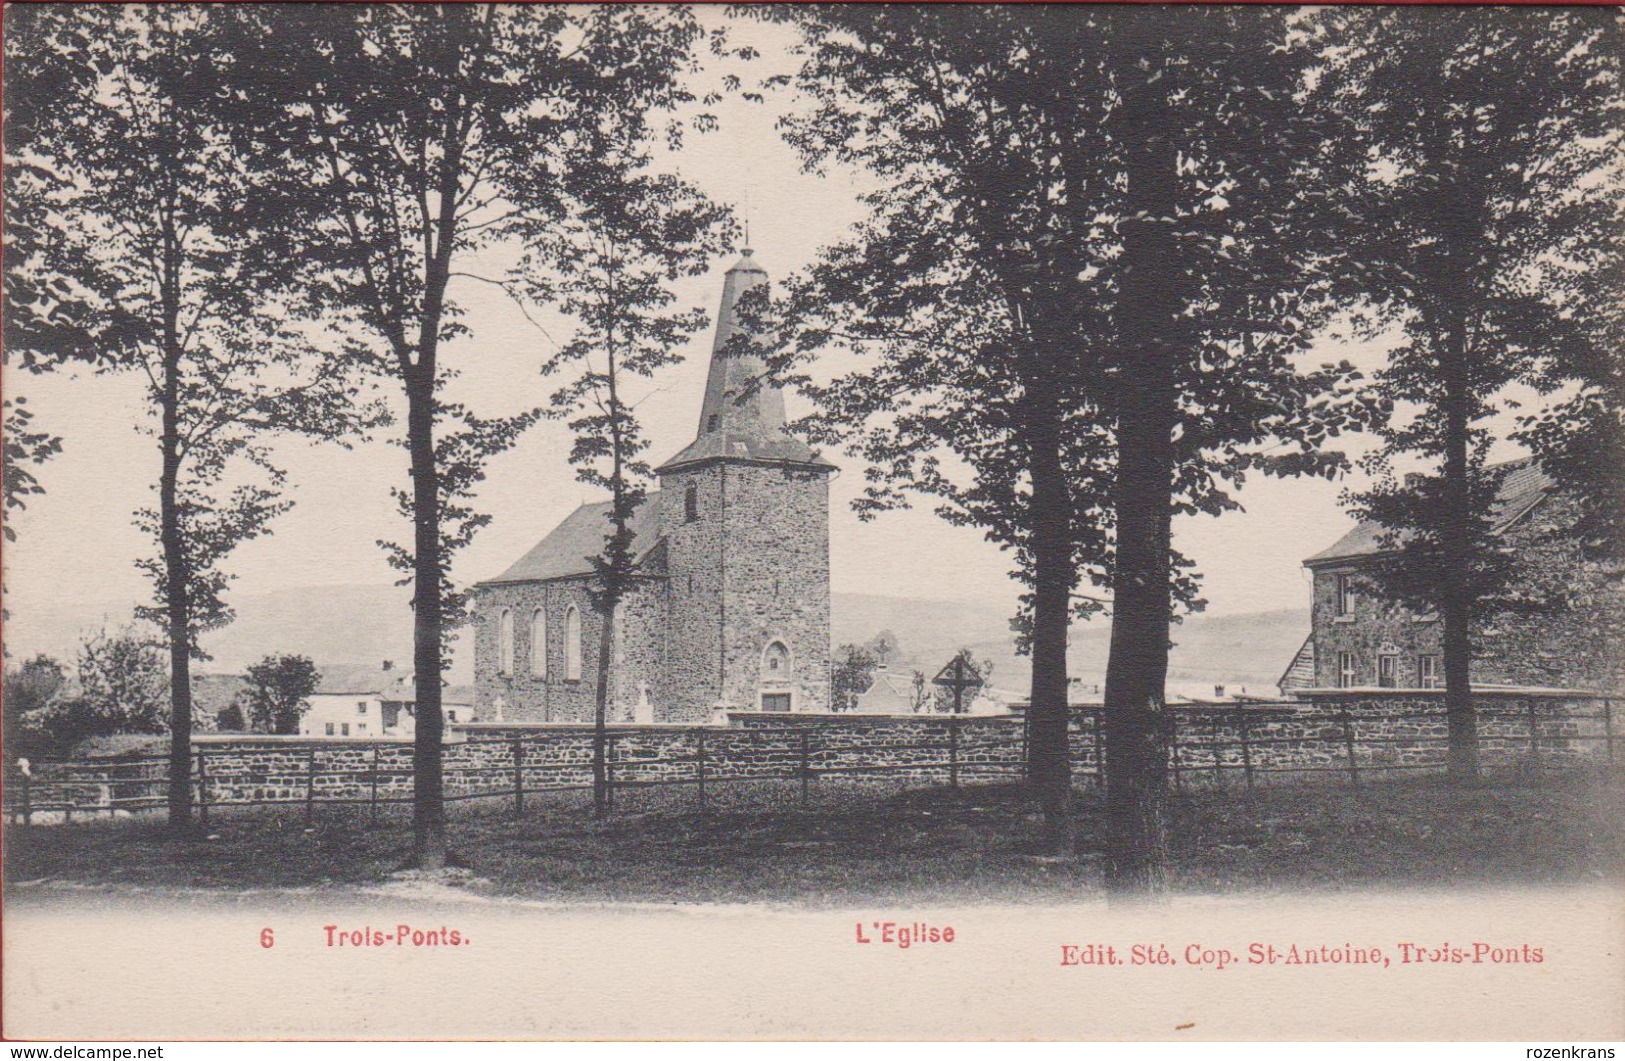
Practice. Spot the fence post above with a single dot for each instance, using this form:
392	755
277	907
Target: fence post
310	787
28	807
202	788
806	767
1348	744
1171	734
1246	748
953	751
1027	744
518	777
1100	747
1608	727
1534	733
372	786
1213	735
699	762
609	772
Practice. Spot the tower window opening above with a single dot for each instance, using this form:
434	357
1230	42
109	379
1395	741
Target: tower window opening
691	503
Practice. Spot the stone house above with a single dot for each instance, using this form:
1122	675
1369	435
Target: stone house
1358	640
730	606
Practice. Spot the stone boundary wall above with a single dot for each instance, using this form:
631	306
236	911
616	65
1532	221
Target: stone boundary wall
1258	743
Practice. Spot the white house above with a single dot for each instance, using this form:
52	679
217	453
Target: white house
363	702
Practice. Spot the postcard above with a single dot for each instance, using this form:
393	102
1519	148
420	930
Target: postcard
813	522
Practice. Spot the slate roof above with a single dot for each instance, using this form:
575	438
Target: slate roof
564	553
365	678
741	418
1525	484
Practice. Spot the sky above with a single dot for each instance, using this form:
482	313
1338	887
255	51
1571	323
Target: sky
77	544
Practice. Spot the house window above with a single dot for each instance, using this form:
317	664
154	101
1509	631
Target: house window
775	701
572	644
344	729
1345	594
361	707
505	643
775	662
1387	671
538	644
1427	672
1345	670
330	729
691	503
360	727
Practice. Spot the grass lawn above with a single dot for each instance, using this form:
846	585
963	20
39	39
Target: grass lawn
858	844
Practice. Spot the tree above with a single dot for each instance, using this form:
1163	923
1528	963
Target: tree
409	138
966	293
1084	289
23	447
278	692
138	260
231	720
608	271
883	646
31	689
124	682
1484	225
852	675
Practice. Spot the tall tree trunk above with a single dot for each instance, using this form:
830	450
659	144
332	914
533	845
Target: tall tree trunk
1142	497
1456	598
600	718
428	795
177	581
1049	764
177	613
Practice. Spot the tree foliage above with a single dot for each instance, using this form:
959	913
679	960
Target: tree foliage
402	141
23	446
852	675
1483	222
136	257
278	693
1081	298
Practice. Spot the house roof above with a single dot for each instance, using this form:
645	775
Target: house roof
889	692
1523	485
567	550
358	678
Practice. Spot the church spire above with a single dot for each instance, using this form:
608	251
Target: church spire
742	416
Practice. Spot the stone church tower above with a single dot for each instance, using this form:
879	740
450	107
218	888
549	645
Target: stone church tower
730	606
745	509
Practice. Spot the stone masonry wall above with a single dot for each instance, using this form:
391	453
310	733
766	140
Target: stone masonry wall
1294	741
751	569
526	696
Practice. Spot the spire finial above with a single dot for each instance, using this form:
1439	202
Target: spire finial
747	221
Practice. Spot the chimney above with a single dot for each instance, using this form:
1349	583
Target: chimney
1218	690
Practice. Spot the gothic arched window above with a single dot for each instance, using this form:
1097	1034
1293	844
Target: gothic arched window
538	644
505	642
776	662
691	503
572	644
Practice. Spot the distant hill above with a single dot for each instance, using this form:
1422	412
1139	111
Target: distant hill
367	624
347	624
1236	650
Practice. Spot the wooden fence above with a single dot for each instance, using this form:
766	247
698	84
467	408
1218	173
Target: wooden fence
1227	745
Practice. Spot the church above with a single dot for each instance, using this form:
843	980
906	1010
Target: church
730	607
